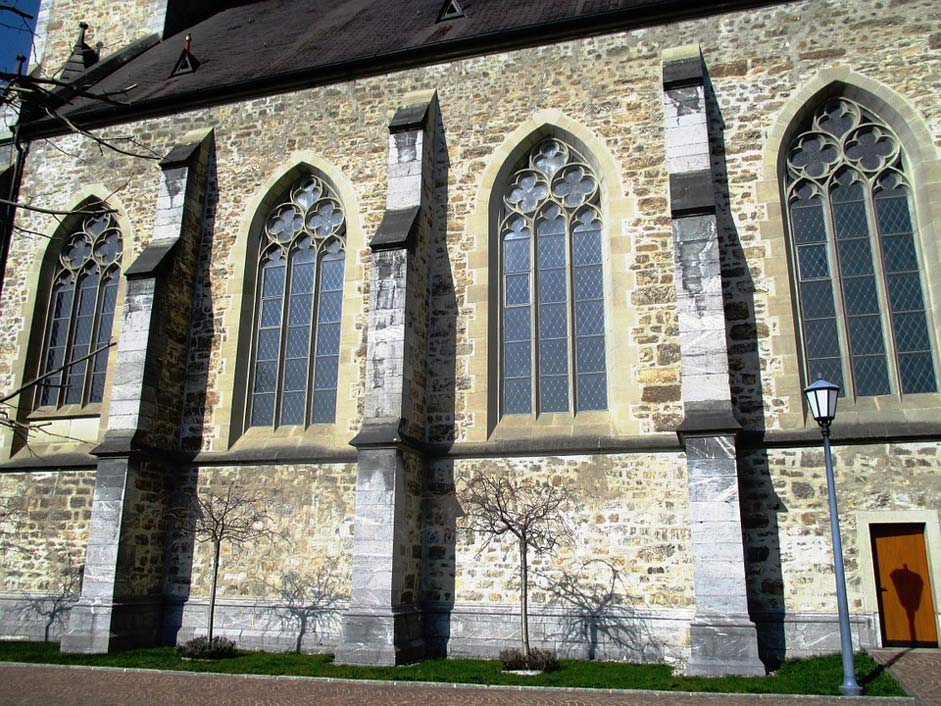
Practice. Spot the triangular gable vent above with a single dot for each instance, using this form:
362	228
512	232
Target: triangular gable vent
450	11
187	63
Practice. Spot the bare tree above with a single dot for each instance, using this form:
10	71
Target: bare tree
234	517
527	511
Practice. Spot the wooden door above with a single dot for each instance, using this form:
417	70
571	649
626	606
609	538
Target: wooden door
903	585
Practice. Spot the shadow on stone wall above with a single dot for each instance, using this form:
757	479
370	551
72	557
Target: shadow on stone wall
309	604
599	621
51	610
442	305
196	382
440	510
439	505
759	503
179	548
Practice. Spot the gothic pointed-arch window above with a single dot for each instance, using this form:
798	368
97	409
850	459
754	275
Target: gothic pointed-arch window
552	285
82	299
854	237
296	343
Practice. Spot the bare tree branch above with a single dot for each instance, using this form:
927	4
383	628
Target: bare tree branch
497	505
42	377
100	141
6	7
236	517
56	212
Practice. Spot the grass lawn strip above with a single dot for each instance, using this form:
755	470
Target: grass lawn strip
815	676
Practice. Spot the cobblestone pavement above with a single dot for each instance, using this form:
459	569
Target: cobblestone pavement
918	671
34	685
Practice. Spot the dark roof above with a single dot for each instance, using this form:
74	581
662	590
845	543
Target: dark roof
268	46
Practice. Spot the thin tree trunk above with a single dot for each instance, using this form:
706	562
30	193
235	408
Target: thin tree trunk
212	586
524	598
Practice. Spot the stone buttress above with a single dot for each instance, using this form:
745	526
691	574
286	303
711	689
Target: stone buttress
120	603
384	622
723	638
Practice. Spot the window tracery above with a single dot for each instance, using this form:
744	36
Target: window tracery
296	344
81	313
864	318
552	298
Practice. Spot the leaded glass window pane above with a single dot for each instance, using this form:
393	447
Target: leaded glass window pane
552	285
328	337
906	301
297	334
81	313
517	328
590	367
853	235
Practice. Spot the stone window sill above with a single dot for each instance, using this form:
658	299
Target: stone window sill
553	424
68	411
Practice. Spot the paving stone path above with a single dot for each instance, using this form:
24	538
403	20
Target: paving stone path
918	671
37	685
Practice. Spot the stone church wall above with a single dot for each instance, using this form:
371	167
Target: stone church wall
43	532
631	511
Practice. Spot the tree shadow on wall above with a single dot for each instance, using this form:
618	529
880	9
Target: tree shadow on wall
52	609
440	510
746	328
310	604
600	622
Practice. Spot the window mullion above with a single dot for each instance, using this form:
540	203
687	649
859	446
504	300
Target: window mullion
836	277
570	310
313	334
887	322
69	339
534	317
282	335
93	337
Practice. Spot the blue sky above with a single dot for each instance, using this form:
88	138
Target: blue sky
15	37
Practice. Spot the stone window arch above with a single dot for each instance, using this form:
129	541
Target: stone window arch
298	305
864	319
551	308
81	277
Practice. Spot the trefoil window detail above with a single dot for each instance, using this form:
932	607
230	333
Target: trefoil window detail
552	285
863	315
296	348
81	314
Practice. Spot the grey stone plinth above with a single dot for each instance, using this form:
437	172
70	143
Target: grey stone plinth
724	645
97	627
381	638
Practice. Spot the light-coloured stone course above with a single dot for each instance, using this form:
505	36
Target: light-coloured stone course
311	519
43	530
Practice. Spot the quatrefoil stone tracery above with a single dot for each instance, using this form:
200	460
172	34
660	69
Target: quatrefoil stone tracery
312	211
97	241
557	172
842	132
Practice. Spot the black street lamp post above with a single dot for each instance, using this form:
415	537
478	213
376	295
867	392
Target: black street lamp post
821	398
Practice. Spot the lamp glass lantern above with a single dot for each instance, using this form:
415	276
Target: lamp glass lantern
821	398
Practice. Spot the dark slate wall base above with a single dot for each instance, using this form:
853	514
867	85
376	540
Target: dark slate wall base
96	628
720	647
381	639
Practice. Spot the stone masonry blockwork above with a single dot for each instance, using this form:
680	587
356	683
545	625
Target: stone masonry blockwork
637	490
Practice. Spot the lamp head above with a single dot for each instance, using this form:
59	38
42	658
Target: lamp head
821	397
